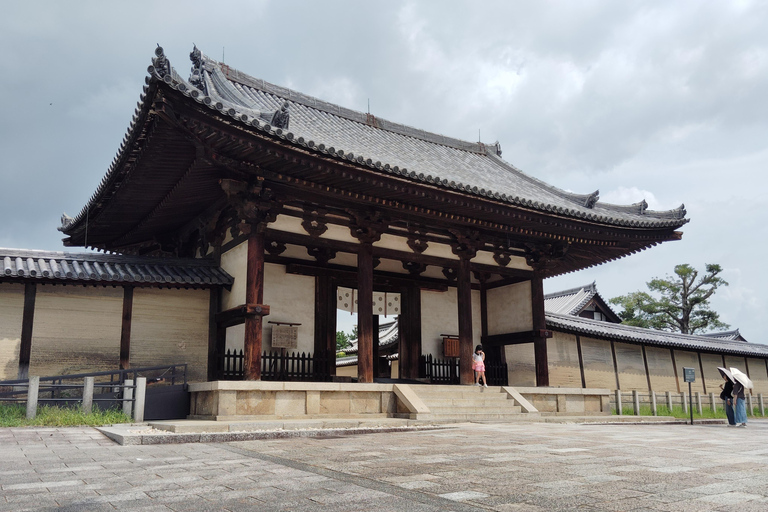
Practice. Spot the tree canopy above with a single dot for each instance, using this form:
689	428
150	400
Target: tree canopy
684	303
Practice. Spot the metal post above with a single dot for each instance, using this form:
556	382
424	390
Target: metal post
713	404
141	391
618	402
636	402
32	391
128	397
88	395
698	403
653	404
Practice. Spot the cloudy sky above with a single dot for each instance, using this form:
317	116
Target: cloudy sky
662	101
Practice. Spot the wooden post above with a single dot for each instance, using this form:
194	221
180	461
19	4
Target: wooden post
761	404
684	398
365	312
375	345
33	389
636	402
466	348
254	295
88	395
325	321
409	325
215	351
698	403
618	402
27	320
668	395
647	372
653	404
581	362
125	331
539	326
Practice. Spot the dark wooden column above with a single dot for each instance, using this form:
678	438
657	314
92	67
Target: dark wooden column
466	343
365	312
409	327
539	329
325	320
375	346
254	295
216	344
125	331
27	321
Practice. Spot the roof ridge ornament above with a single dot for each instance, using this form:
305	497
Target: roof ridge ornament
592	199
281	117
160	62
196	73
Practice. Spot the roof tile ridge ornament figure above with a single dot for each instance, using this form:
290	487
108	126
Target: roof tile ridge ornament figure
196	73
160	63
592	199
281	118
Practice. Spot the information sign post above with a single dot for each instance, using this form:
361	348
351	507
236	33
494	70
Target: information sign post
689	376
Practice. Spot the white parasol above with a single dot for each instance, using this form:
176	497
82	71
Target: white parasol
742	377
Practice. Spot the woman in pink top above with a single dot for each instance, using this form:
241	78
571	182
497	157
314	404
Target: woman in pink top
478	364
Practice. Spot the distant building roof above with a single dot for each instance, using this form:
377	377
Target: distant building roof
631	334
734	335
576	301
60	267
388	336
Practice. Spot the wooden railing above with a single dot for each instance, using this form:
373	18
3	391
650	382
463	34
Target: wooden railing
446	371
280	366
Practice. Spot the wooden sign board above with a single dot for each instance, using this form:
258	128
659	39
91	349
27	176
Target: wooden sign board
451	347
285	336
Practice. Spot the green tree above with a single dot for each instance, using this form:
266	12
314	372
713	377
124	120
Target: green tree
342	341
684	303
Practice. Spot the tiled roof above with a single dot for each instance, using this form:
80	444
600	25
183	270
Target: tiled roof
22	264
630	334
569	302
344	134
734	335
388	335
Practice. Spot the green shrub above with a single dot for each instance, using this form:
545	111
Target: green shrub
15	415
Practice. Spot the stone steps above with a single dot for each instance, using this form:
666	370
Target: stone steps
467	403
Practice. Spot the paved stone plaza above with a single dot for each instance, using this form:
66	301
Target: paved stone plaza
504	467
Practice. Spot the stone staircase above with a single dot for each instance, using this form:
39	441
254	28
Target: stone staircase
467	403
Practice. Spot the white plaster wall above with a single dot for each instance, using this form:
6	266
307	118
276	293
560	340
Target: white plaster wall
477	319
291	298
439	315
441	251
234	262
509	308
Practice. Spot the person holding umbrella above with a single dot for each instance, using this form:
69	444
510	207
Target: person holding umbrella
741	382
725	395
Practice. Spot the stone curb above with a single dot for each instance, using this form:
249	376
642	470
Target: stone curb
126	435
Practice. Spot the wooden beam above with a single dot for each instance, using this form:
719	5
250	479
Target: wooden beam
27	321
384	281
515	338
539	326
466	348
237	315
365	313
701	369
125	331
647	372
615	365
581	362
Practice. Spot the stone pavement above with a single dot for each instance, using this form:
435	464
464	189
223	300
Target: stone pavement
467	467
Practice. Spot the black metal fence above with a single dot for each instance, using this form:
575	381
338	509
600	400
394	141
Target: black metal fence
280	366
446	371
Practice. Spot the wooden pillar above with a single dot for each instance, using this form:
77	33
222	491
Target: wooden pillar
125	330
216	342
365	312
539	327
581	361
325	320
27	321
254	295
375	346
409	327
466	347
647	370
